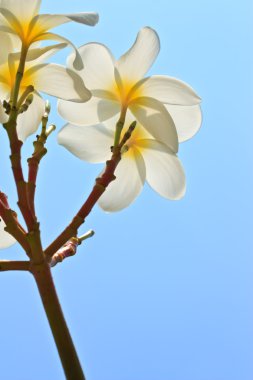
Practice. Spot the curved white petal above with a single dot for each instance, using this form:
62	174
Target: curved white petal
94	111
23	10
164	171
168	90
130	177
49	21
3	116
6	240
40	54
98	72
155	118
10	22
89	143
78	63
58	81
134	64
187	120
29	121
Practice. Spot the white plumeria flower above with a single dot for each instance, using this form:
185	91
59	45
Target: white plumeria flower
166	107
22	18
6	240
54	80
143	159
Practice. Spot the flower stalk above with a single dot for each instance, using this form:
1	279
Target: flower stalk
99	188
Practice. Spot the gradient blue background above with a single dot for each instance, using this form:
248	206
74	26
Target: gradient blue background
164	290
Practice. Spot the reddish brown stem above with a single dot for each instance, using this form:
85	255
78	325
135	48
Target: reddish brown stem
14	265
62	337
100	186
13	227
16	146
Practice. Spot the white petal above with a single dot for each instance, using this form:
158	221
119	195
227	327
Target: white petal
187	120
38	55
164	171
134	64
155	118
3	116
98	72
90	143
6	240
169	90
10	23
78	63
29	121
92	112
130	177
49	21
23	10
58	81
6	47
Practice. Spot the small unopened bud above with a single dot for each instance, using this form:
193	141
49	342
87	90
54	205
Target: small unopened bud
50	129
27	103
47	108
69	249
88	235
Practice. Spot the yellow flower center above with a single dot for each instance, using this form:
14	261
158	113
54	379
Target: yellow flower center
125	91
29	32
8	76
139	133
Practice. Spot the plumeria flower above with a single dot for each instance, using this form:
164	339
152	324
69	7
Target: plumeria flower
143	159
22	18
166	107
52	79
6	240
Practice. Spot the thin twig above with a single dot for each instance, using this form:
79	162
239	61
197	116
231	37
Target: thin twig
14	265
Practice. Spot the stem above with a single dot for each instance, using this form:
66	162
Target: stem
119	127
100	186
14	265
16	145
19	77
63	340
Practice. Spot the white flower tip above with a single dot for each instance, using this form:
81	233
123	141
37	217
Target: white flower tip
95	18
78	63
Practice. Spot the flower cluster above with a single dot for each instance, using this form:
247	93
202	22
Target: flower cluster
99	97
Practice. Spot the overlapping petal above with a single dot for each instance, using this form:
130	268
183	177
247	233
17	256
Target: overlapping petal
95	111
135	63
164	171
78	63
98	70
130	177
169	90
29	121
58	81
40	54
155	118
6	240
49	21
187	120
23	10
89	143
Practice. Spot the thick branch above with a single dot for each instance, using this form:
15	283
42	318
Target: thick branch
63	340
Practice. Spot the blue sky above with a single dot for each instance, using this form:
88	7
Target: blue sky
164	289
